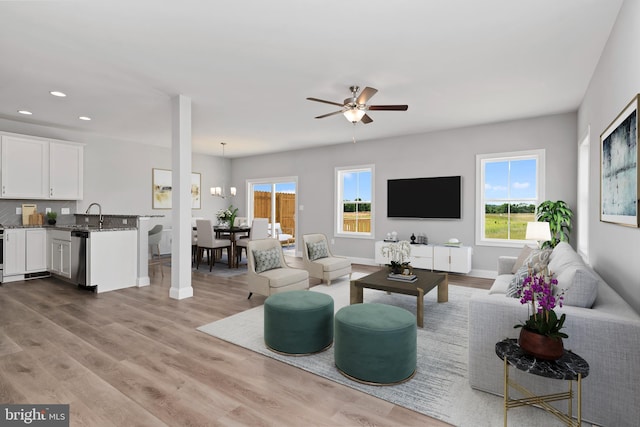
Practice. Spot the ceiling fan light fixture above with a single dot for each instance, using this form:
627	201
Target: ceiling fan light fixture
354	115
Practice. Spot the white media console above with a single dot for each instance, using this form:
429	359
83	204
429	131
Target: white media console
455	259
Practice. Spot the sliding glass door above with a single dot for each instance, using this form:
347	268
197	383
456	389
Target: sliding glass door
276	200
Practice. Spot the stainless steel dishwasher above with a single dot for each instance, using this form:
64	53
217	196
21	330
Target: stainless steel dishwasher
80	254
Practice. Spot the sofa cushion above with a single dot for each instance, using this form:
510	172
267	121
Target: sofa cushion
317	250
562	257
501	284
524	254
267	259
583	290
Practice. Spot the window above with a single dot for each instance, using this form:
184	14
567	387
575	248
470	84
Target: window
354	201
583	197
509	188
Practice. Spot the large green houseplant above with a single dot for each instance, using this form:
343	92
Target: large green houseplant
558	214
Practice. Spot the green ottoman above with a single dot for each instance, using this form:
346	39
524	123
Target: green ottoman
298	322
375	343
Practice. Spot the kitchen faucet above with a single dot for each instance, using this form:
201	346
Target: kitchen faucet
100	217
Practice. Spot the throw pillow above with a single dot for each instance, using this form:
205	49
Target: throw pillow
515	286
538	260
524	254
267	259
317	250
580	290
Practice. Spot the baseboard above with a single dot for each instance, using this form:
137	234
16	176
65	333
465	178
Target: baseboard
484	274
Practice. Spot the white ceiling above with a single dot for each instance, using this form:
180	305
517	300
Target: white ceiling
249	65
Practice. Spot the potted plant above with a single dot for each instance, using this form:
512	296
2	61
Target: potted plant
540	335
226	217
398	254
51	217
558	214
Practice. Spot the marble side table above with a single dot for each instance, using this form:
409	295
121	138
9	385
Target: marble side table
570	367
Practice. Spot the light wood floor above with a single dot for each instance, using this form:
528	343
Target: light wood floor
134	358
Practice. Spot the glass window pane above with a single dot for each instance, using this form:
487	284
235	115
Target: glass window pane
523	179
496	180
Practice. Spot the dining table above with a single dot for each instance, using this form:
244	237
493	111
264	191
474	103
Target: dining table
232	232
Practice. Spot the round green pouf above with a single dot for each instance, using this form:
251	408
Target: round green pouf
375	343
298	322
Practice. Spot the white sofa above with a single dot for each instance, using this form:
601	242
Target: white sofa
606	335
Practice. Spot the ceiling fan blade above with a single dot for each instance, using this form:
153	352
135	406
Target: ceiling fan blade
388	107
366	119
326	102
329	114
366	94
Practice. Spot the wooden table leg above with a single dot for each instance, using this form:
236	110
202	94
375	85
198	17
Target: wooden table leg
420	308
356	294
443	289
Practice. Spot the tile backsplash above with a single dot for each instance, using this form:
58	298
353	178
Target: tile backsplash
8	215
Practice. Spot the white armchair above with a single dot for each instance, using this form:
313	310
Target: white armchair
267	271
320	262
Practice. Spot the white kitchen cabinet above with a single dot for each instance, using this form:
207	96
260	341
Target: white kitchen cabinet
24	252
15	253
59	253
36	250
25	168
113	259
453	259
38	168
65	171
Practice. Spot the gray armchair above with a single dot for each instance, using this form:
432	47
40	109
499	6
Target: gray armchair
320	262
267	271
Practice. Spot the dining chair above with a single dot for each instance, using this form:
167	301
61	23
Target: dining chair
155	234
207	242
259	230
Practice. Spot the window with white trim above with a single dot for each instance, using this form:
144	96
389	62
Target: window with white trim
509	188
354	201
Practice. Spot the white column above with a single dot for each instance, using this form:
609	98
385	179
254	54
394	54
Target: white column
181	198
143	252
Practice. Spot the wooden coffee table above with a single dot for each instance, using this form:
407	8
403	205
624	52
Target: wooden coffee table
427	280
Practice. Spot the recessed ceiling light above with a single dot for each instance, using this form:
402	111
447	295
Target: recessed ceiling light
58	93
25	112
84	118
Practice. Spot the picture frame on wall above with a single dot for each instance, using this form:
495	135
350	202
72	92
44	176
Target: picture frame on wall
619	168
161	189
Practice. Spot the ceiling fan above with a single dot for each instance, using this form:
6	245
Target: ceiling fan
355	108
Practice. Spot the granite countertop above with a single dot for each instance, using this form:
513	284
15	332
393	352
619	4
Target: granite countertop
69	227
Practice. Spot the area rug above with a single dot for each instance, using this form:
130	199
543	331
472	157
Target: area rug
220	268
439	389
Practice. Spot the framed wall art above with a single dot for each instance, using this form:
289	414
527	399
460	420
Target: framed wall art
619	168
161	189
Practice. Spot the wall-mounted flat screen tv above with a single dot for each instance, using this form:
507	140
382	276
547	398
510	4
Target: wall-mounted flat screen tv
436	198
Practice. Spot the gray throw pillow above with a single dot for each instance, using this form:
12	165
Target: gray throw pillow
317	250
524	254
581	291
267	259
537	260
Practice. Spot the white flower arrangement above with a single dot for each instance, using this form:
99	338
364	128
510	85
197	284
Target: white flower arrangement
397	252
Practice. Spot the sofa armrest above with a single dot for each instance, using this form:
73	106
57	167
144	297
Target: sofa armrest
505	264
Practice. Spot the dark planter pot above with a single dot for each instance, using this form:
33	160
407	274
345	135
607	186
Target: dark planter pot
540	346
51	221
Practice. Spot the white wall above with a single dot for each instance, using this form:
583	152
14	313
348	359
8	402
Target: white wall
614	250
435	154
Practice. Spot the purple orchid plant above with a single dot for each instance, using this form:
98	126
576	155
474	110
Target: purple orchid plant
538	290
